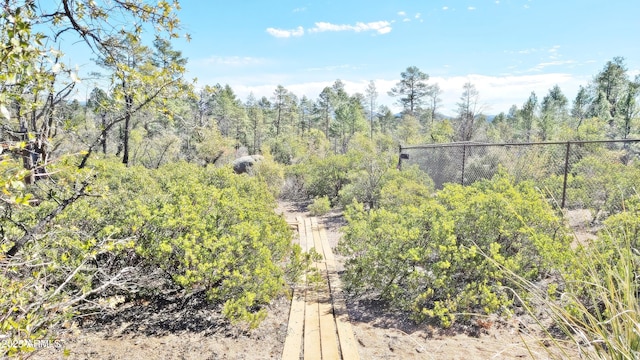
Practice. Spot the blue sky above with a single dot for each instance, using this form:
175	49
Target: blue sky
506	48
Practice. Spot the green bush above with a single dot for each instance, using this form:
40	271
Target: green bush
441	258
271	172
327	176
407	187
141	232
320	206
602	184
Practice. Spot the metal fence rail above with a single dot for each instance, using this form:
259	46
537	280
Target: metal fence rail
574	173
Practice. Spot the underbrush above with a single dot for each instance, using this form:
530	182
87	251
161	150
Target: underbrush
135	233
598	310
497	247
441	258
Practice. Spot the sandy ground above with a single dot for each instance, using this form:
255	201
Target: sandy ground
195	330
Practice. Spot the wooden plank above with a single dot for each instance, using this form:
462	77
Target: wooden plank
328	334
293	341
348	344
307	229
312	345
295	329
302	234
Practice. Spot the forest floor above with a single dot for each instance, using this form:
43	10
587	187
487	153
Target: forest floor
179	328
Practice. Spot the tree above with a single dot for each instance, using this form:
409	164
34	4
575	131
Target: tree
100	102
141	77
580	107
35	81
434	101
528	116
256	123
347	115
553	112
349	120
371	95
468	112
323	108
629	107
229	115
306	110
412	89
409	130
610	86
35	85
501	129
386	119
280	103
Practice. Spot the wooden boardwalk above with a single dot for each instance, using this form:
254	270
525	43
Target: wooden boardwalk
319	326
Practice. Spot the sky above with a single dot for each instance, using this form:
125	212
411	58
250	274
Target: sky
505	48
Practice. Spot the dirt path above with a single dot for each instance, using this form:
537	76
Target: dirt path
199	332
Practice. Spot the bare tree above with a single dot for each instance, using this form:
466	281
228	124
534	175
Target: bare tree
371	95
468	112
434	100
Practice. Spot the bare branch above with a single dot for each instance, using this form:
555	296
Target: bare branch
106	129
37	229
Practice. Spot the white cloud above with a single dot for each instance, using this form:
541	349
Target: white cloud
333	67
280	33
418	15
381	27
527	51
543	65
552	50
402	13
302	9
445	8
230	61
384	30
471	8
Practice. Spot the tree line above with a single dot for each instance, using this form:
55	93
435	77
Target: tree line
149	114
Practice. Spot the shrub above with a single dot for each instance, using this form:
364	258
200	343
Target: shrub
141	233
320	206
598	309
603	184
271	172
407	187
441	258
294	187
327	176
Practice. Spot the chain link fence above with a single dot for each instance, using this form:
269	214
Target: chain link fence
598	175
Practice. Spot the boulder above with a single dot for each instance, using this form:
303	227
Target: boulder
242	164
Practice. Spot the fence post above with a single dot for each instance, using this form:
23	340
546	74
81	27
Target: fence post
566	174
399	167
464	158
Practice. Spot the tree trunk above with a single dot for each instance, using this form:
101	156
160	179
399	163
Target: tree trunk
127	127
103	139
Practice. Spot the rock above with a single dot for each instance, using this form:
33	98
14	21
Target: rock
242	164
